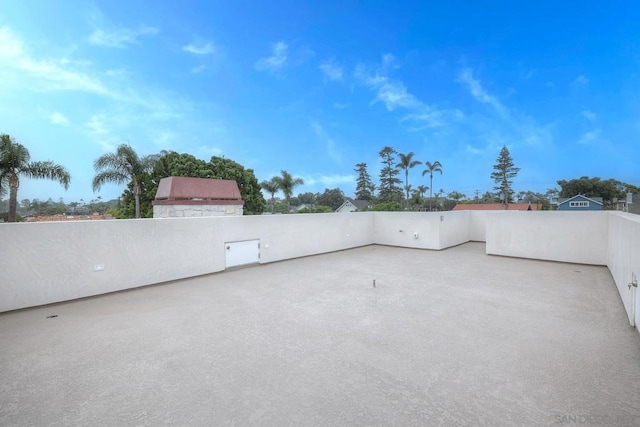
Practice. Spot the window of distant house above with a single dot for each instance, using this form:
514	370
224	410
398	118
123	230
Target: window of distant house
579	204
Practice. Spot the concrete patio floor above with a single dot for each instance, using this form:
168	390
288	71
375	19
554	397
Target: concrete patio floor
449	337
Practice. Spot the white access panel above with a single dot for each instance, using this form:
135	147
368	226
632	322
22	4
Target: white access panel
242	253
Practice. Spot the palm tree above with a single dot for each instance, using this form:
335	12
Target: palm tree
407	189
272	186
431	168
287	183
123	166
15	161
421	190
406	163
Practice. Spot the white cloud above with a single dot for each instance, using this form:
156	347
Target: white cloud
47	74
388	62
116	72
329	142
97	129
394	94
58	118
336	179
10	45
96	124
368	78
476	90
121	37
206	49
276	60
56	77
526	75
329	181
331	71
198	69
473	150
589	115
431	118
589	137
581	80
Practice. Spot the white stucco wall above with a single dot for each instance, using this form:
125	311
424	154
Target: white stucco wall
579	237
398	228
623	259
454	228
52	262
478	226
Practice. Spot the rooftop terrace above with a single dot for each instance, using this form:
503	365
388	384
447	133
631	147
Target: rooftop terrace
450	334
445	337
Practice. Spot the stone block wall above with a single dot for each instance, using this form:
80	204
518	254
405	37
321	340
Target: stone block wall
190	211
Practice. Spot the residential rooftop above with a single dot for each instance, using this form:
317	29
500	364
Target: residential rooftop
451	337
502	317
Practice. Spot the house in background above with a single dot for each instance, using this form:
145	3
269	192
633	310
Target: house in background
628	203
634	206
495	207
580	203
351	205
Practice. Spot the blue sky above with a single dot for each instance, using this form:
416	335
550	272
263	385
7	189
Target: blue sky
316	88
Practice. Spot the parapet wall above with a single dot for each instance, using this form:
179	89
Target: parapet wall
623	260
579	237
52	262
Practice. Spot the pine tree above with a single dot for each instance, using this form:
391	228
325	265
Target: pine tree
389	190
503	173
364	185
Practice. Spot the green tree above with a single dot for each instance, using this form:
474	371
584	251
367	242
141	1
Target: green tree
389	189
503	173
307	198
254	203
317	209
422	189
271	186
124	166
333	198
171	163
406	162
387	206
431	168
488	197
456	196
126	208
287	183
364	184
15	161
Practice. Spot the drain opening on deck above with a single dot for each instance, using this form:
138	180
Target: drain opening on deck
52	316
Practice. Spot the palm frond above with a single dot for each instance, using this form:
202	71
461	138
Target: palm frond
48	170
109	176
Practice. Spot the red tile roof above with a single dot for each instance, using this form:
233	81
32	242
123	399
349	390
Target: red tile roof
197	190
